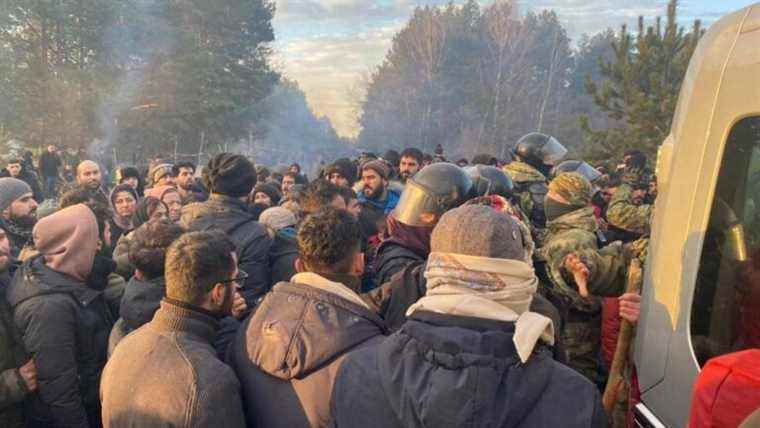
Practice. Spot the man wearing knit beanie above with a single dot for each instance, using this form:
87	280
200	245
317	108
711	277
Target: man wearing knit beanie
473	327
342	172
18	212
375	190
230	179
578	269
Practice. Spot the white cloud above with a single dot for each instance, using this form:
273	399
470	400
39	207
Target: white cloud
329	45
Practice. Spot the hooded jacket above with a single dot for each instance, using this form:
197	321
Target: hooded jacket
287	353
231	216
64	324
140	302
13	388
283	255
442	370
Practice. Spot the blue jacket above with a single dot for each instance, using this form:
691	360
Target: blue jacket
387	205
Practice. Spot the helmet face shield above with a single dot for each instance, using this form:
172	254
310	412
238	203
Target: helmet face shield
589	172
417	207
552	152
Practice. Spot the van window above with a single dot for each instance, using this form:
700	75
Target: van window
725	313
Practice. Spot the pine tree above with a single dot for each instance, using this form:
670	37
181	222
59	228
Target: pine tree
640	87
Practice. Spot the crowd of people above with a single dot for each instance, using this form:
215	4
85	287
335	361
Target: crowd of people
401	290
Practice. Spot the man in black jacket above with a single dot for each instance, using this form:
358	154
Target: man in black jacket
472	353
64	323
17	169
230	179
49	165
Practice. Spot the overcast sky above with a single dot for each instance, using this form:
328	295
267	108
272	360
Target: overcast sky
329	46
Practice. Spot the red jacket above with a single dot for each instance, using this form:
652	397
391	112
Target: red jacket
727	390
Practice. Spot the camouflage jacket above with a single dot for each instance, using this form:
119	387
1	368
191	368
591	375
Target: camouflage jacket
624	214
575	232
531	189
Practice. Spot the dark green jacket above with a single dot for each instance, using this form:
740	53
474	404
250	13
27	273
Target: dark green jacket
12	356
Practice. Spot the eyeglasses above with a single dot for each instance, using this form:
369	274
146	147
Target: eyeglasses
240	279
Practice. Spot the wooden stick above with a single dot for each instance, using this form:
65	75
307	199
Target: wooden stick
616	379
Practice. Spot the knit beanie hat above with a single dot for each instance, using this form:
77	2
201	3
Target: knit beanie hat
277	218
10	190
159	171
477	230
128	172
345	168
573	187
230	174
270	190
380	167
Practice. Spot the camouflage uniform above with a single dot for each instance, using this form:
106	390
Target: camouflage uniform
530	187
576	232
622	213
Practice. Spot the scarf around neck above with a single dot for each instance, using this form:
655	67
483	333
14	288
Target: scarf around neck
490	288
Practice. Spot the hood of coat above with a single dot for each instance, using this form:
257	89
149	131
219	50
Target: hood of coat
141	300
298	329
521	172
34	278
68	240
283	244
447	370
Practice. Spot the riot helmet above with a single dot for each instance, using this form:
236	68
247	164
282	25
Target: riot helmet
489	180
578	166
539	150
434	190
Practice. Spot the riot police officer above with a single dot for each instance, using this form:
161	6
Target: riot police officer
535	154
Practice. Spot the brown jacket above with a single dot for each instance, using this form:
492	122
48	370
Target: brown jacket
166	373
288	352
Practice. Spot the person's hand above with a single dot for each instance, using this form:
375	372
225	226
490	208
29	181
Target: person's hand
580	272
630	307
29	373
238	306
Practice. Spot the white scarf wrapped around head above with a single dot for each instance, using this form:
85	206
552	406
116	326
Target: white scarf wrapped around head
482	287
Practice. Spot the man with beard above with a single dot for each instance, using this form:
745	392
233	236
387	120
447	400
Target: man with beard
16	168
18	374
410	163
89	177
166	373
184	178
375	189
64	323
342	173
288	181
18	211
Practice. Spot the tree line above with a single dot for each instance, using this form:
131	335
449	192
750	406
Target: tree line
476	79
142	76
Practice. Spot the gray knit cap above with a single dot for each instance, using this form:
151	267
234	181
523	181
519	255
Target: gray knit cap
477	230
277	218
10	190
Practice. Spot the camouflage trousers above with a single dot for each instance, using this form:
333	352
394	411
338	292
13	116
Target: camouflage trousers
581	337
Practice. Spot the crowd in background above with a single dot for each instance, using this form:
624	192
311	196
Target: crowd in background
395	290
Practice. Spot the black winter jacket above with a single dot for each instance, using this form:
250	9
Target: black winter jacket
448	371
392	258
231	216
282	258
140	302
65	327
